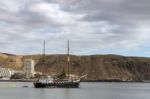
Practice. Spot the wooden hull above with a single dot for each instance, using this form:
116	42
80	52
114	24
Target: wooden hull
57	85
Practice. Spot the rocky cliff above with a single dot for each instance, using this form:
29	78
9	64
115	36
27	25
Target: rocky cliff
98	67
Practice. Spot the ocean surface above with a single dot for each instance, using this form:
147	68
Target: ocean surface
15	90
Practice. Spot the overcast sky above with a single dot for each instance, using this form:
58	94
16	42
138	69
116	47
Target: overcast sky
92	26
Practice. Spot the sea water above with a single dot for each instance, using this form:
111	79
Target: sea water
16	90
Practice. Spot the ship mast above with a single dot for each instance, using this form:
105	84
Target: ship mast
43	60
68	61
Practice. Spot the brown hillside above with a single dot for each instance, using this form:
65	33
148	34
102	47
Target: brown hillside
98	67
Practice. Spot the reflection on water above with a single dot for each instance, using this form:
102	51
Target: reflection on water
14	90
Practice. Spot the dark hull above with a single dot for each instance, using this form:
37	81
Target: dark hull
57	85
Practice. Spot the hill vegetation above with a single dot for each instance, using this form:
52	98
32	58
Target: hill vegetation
98	67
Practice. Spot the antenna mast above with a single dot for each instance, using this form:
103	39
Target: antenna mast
43	60
68	57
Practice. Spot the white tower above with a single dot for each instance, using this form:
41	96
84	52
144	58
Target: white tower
29	68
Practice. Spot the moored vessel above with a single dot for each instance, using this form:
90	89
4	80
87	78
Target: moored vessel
52	83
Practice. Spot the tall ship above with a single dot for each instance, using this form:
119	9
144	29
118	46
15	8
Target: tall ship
44	82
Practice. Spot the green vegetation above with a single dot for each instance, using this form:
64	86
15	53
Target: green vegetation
62	75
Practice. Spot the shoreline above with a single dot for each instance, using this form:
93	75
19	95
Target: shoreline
19	80
22	80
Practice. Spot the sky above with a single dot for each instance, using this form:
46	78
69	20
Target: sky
92	26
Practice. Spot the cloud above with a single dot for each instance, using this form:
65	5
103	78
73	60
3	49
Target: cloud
92	25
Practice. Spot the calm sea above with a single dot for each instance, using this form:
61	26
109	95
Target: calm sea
14	90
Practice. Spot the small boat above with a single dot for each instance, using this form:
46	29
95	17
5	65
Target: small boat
51	83
25	86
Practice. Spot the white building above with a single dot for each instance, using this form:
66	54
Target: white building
29	68
6	73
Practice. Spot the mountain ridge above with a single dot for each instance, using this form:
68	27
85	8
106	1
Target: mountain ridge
98	67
